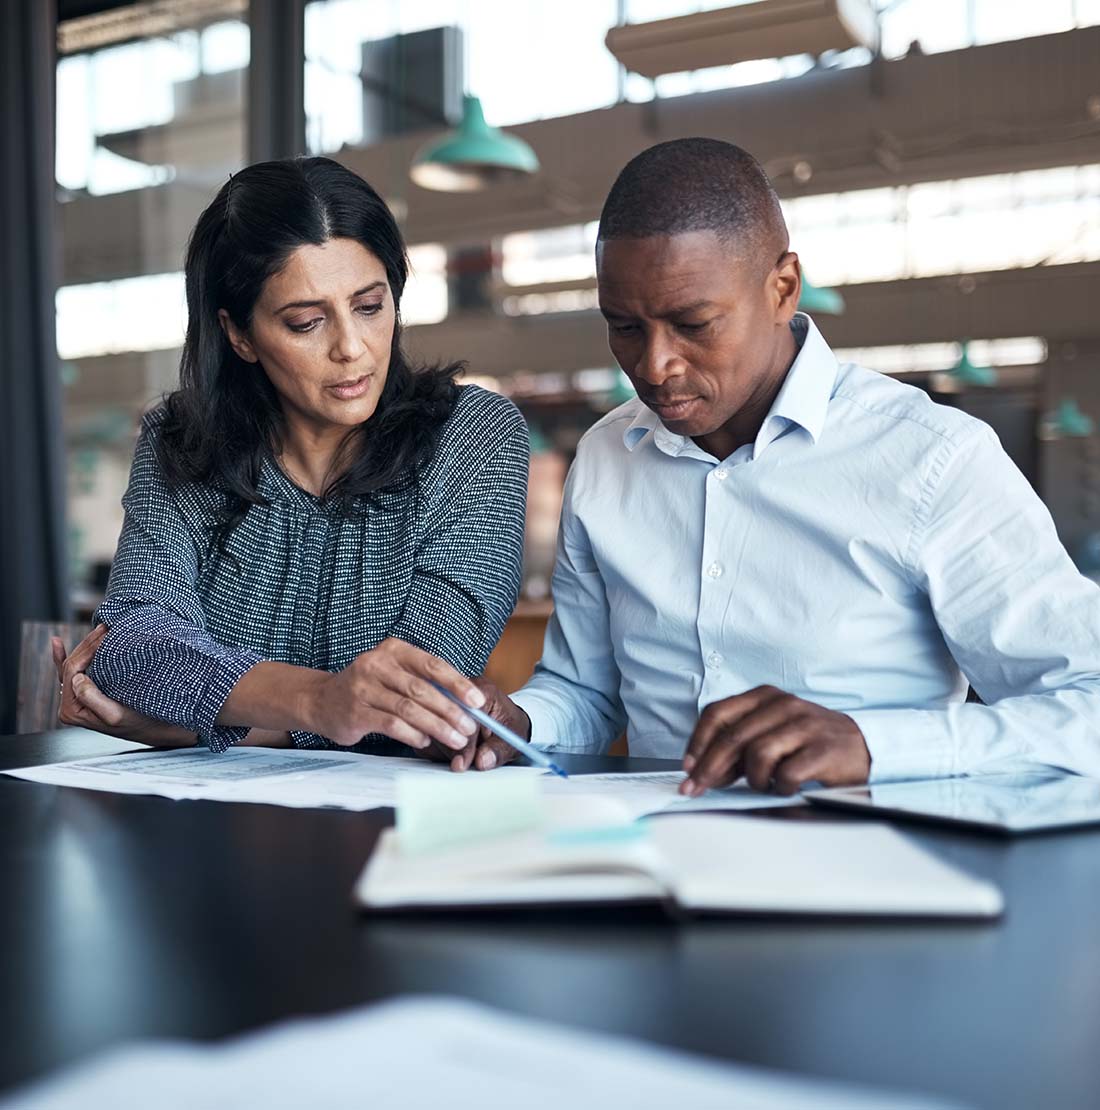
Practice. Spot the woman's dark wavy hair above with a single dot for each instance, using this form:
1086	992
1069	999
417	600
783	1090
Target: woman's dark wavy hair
225	418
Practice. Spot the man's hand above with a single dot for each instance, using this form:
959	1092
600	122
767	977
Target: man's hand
777	741
84	705
486	751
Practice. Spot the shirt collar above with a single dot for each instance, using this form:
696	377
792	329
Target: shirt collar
803	399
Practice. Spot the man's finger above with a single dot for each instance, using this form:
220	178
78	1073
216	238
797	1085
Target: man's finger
808	764
493	752
719	716
762	755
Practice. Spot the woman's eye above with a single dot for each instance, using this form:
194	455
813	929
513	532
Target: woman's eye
369	309
308	325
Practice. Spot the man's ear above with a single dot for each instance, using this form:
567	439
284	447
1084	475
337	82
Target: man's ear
786	280
237	339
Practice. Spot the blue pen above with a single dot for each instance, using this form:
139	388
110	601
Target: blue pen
505	733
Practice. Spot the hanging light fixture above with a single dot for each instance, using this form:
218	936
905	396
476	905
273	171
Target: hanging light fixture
816	298
966	373
473	157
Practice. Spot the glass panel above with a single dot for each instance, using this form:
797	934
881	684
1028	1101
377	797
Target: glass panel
147	130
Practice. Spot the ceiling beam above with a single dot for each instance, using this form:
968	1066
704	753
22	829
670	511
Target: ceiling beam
1007	106
1057	303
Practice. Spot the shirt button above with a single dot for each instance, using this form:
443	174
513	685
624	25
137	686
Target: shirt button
714	660
721	474
714	570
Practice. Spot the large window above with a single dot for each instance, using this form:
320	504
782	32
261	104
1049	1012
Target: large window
148	127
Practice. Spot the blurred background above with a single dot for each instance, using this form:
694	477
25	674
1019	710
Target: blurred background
938	160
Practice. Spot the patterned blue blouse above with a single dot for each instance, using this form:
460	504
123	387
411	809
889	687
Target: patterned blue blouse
438	567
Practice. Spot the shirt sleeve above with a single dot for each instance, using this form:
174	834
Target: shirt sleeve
469	565
1021	622
573	697
157	656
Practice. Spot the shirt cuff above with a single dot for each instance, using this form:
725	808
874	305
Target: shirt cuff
552	728
223	674
907	743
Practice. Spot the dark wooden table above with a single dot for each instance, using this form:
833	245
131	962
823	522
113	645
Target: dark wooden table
125	917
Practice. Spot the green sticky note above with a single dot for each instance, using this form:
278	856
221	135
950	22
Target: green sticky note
436	812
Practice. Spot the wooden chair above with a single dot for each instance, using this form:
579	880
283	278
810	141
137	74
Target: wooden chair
39	699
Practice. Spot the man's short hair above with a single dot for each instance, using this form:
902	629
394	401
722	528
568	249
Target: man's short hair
696	185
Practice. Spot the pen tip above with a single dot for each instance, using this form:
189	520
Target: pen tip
558	771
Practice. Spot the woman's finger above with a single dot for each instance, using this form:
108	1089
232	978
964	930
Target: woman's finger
419	717
439	671
84	652
89	695
57	650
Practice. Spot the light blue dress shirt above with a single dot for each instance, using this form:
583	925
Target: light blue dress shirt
870	551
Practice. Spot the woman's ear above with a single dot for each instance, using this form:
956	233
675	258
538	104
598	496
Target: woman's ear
237	339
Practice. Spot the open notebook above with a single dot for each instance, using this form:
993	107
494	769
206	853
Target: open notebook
693	863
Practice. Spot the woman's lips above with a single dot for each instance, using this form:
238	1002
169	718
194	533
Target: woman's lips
349	390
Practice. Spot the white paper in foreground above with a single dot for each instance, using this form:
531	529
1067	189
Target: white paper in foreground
650	792
284	777
429	1054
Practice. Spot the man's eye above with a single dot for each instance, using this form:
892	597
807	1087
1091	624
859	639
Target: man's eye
693	328
624	329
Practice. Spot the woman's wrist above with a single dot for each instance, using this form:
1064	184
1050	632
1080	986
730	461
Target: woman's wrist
275	697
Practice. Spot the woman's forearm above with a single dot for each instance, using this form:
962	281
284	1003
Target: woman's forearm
275	697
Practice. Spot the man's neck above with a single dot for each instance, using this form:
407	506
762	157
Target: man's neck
745	424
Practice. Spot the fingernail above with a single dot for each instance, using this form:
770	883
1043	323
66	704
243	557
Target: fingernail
475	698
689	762
456	739
468	725
78	681
488	760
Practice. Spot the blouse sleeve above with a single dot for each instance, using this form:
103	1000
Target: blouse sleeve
157	657
469	565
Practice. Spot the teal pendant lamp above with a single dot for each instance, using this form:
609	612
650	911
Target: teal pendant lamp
816	298
1067	421
966	373
473	157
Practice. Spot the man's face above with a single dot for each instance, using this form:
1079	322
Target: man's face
696	324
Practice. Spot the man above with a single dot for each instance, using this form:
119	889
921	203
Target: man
790	566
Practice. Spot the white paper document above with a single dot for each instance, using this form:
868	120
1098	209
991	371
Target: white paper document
652	792
274	776
429	1054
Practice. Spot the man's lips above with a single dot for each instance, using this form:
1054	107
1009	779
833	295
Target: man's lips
671	406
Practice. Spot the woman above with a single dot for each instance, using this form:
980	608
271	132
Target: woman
314	532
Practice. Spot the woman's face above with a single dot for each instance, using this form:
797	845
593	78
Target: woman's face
322	330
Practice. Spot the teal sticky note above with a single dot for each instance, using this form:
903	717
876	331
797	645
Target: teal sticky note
436	812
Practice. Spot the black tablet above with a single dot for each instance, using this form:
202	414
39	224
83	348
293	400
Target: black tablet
1008	804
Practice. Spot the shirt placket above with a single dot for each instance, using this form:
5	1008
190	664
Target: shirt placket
713	585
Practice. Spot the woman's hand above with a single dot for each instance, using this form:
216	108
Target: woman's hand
85	706
390	690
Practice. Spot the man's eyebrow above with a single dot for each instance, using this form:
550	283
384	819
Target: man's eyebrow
679	310
314	304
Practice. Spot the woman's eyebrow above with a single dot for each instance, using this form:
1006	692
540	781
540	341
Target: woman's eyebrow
313	304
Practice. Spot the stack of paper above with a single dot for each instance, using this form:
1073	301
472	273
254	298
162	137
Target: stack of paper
433	1054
